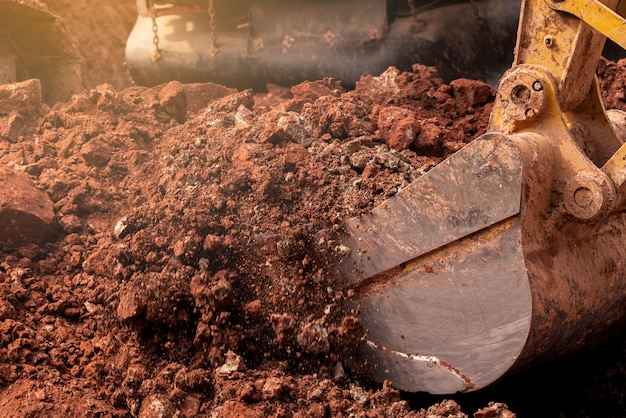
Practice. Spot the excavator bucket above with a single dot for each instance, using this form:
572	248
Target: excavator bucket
440	273
249	43
36	44
510	252
470	273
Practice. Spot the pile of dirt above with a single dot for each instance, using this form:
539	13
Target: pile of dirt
183	277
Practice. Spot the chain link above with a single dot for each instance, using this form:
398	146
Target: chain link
412	8
481	22
213	47
156	51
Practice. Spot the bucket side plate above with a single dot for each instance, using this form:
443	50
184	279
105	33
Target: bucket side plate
454	320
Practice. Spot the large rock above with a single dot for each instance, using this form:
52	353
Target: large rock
26	213
19	103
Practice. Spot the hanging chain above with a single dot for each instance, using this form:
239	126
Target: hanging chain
417	9
213	48
481	22
156	52
413	9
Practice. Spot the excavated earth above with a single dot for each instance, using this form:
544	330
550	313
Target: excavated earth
172	270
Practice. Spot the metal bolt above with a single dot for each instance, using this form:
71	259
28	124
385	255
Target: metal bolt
589	195
520	95
583	197
549	41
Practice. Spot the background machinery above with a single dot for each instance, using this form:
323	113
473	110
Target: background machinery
249	43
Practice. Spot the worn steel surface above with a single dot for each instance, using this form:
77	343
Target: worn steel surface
454	320
472	190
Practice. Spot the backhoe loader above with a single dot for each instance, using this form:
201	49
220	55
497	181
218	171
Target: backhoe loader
510	252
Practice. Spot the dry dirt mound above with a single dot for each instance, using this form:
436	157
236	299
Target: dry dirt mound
183	277
100	29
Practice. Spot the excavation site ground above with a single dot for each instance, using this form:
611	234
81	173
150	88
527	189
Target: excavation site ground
174	272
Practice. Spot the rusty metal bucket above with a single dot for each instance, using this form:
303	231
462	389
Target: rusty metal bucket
499	284
511	251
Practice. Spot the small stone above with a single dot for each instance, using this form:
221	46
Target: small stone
96	152
294	154
311	90
233	363
173	100
122	228
7	310
284	327
430	140
313	338
272	388
26	213
398	127
472	92
156	406
495	410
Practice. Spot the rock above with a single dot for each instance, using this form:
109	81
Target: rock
19	103
23	97
173	100
231	102
398	127
311	90
430	140
295	154
495	410
133	301
213	293
7	310
199	95
273	388
314	338
26	213
284	327
123	227
446	409
284	127
233	363
156	406
472	92
96	152
234	409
